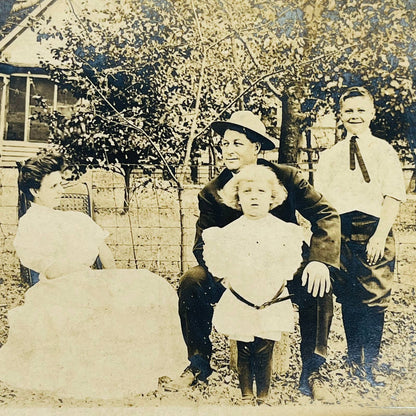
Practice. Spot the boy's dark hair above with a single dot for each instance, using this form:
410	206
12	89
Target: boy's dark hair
355	92
33	170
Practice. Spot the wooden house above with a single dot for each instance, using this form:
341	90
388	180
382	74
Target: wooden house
22	80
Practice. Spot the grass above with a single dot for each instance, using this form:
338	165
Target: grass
152	228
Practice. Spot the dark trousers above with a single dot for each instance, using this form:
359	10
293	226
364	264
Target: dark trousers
255	363
199	291
362	289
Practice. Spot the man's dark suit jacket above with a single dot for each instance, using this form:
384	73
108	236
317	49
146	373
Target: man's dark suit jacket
302	197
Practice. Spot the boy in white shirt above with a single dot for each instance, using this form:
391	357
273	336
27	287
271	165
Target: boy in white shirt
361	176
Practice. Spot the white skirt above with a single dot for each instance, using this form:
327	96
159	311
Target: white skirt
101	334
242	322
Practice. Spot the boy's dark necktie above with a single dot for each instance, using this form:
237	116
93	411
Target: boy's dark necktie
355	151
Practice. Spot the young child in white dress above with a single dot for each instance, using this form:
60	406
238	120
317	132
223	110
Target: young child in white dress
254	255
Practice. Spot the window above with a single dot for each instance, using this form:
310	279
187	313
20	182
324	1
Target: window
40	87
19	94
15	109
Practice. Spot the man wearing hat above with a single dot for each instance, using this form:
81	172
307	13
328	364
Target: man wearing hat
243	137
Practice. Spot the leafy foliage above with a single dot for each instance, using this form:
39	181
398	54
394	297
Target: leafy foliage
119	64
155	74
379	41
139	66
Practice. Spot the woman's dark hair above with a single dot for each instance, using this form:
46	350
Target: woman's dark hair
33	170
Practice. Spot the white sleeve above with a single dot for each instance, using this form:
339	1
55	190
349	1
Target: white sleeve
215	252
322	174
88	228
33	246
393	181
293	249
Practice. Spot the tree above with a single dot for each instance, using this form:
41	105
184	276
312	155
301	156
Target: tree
142	71
120	63
5	8
379	42
317	48
156	74
13	12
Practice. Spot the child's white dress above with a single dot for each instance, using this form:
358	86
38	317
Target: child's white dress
96	333
255	257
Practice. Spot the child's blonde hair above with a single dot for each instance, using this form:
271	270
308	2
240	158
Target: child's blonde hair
251	173
355	92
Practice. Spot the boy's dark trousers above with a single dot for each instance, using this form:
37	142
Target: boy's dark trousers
363	290
255	363
363	327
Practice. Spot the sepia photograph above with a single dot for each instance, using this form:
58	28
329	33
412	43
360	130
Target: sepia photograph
208	206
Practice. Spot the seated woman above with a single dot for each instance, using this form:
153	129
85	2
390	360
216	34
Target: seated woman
82	332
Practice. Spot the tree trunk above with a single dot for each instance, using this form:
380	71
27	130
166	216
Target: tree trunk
292	116
238	65
290	131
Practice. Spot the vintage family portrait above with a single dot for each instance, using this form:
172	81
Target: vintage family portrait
208	206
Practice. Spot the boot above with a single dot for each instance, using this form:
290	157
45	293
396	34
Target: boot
312	383
262	366
187	379
370	377
319	388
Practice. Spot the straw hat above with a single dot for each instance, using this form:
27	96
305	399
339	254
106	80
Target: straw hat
247	123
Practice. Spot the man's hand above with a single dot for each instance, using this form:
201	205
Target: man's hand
316	275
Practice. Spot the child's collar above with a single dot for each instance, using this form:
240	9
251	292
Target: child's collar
364	135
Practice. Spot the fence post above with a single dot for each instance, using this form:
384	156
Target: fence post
181	225
310	162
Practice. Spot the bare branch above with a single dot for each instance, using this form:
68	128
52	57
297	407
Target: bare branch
266	76
257	64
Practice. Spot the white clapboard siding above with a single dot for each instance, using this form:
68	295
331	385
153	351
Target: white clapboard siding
13	151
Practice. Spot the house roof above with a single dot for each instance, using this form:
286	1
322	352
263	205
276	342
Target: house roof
13	12
24	25
23	47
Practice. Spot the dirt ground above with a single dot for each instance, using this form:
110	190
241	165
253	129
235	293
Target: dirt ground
397	365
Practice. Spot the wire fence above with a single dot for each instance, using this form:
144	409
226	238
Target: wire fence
157	231
154	233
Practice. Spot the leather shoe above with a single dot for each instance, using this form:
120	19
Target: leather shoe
248	400
187	379
319	391
370	378
357	370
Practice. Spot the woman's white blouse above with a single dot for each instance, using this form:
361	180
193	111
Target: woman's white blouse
46	236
